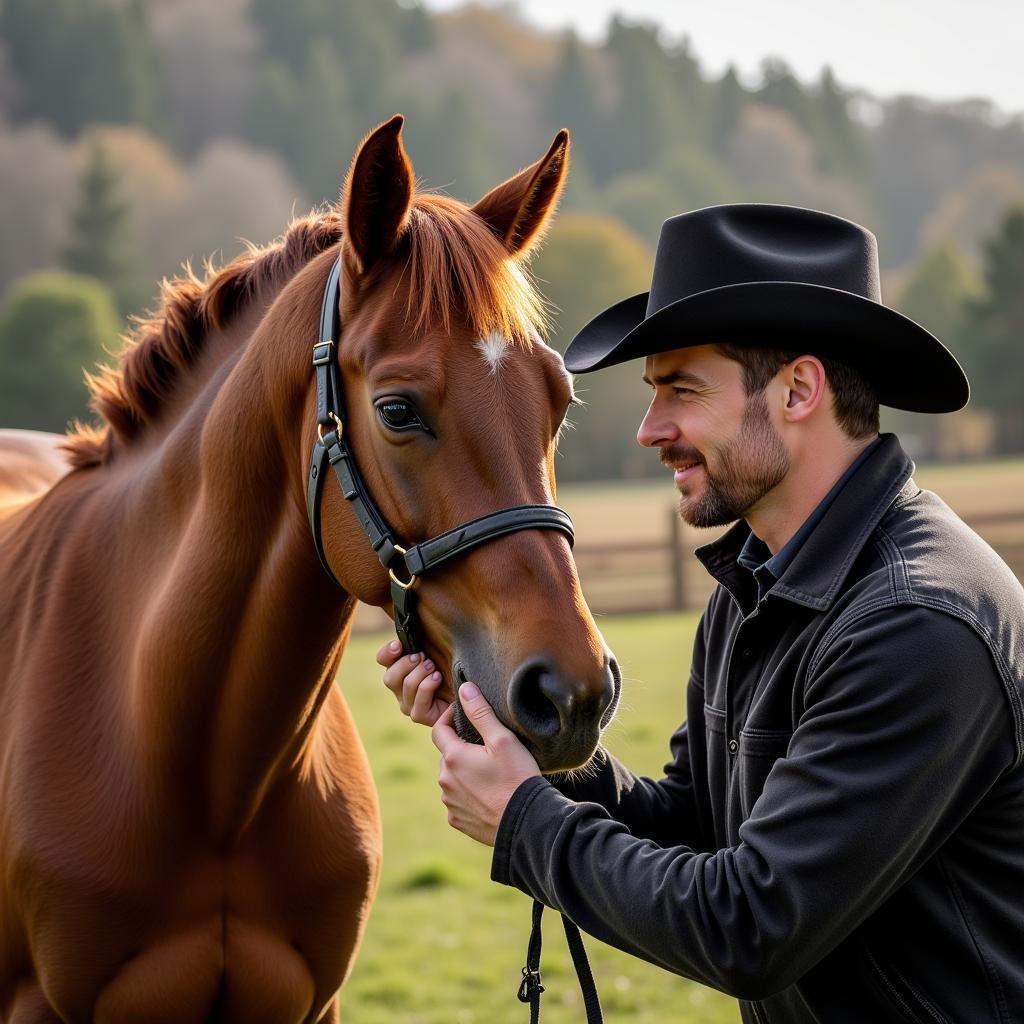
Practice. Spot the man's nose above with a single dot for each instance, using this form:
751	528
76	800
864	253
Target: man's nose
656	430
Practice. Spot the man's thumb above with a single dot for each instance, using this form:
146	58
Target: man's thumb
479	711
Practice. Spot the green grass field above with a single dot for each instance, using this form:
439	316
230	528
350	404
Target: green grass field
445	945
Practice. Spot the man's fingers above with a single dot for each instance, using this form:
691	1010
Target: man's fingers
480	713
425	707
443	733
389	653
395	676
413	681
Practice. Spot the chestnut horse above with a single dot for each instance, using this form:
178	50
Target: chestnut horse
188	826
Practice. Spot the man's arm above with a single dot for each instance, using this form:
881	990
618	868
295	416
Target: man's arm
905	730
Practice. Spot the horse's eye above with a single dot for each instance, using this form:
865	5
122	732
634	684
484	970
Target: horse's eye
398	414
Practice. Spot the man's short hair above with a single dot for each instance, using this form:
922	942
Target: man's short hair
855	402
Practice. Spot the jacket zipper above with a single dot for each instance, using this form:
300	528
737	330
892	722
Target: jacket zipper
759	1017
909	991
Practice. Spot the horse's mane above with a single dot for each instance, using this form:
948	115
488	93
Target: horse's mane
453	260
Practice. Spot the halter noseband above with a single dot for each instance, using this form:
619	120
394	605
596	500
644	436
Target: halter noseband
404	565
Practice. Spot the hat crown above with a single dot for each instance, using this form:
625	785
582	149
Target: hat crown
756	242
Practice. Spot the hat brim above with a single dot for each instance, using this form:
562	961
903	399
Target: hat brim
908	366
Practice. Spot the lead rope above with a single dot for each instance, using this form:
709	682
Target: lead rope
530	987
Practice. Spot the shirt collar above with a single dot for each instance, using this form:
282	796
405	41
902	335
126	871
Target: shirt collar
812	566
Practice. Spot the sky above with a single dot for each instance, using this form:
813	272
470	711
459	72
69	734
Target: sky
940	49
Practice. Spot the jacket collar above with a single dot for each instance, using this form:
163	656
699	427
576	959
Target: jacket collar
818	570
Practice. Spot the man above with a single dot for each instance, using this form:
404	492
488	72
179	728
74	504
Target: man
840	833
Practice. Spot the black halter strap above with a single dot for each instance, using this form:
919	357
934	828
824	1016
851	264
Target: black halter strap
331	447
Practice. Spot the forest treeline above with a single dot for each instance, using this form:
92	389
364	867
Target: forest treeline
136	134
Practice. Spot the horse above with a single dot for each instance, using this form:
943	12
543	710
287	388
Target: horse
188	827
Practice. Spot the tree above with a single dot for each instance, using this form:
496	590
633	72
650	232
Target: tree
936	295
590	261
994	329
81	62
571	96
842	146
726	108
35	166
53	325
644	123
98	242
208	60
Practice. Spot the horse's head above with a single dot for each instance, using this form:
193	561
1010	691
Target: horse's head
454	404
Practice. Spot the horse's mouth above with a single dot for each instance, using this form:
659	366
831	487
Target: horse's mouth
464	729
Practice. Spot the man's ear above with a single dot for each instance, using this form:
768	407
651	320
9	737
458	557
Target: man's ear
805	383
377	195
518	210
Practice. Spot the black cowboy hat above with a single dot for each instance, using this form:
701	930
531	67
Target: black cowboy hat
777	277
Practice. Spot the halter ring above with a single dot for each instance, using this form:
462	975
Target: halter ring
402	584
339	428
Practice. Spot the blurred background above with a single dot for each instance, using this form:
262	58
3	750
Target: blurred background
137	134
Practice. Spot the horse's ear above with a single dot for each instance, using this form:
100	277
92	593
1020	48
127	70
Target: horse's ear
377	194
519	209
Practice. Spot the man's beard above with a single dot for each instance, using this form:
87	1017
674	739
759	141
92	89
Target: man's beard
749	466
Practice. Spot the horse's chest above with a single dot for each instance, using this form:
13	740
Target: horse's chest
167	927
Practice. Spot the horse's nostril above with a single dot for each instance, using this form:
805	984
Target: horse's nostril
538	700
612	692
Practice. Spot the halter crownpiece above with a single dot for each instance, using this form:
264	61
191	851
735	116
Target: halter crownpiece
404	564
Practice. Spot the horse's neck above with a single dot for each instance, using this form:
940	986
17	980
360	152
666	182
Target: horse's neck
242	630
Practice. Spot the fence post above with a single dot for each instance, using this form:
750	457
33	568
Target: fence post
678	565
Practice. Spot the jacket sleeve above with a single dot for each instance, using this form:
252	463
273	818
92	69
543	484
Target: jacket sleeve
905	727
668	810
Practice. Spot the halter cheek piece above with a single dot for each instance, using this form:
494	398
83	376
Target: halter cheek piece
404	565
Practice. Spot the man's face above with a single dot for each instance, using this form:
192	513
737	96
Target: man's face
722	444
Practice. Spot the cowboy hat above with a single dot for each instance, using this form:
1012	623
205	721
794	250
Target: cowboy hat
776	277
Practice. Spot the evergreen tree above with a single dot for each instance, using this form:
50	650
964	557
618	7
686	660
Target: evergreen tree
81	62
324	98
274	120
98	242
781	89
53	325
693	97
571	100
727	104
452	145
994	328
645	119
842	146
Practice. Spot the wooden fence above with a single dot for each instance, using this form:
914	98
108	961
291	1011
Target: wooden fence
662	574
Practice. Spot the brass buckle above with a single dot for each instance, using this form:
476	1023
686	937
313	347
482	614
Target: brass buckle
339	428
401	584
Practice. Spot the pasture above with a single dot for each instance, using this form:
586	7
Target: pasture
444	943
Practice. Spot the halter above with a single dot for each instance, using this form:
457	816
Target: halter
404	565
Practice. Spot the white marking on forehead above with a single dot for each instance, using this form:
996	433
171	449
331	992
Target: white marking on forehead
493	348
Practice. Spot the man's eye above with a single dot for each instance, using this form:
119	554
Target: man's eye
398	414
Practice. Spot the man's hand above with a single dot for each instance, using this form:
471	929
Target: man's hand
414	681
478	782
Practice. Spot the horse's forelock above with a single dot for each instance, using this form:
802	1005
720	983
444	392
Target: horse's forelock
455	262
